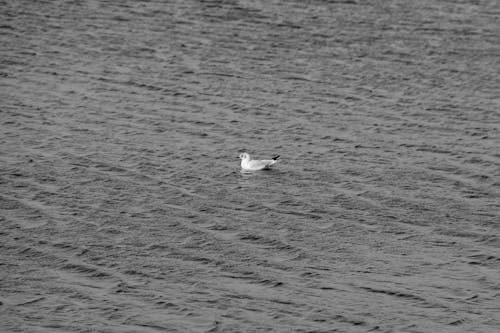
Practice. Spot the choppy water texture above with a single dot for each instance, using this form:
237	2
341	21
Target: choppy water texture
123	208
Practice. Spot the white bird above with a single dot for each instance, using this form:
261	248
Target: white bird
254	165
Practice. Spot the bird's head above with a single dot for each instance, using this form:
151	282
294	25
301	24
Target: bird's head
244	156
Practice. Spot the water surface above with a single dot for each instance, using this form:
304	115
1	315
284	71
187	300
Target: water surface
123	209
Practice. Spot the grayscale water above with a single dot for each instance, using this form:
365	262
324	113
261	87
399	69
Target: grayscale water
122	204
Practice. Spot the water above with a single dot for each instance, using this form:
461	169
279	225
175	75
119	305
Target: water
123	208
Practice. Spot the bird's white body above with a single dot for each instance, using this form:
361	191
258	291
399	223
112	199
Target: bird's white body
253	165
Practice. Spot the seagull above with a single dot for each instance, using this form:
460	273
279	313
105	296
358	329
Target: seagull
254	165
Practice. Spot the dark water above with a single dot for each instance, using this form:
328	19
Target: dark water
122	207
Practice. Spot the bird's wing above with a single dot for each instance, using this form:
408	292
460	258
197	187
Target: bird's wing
261	164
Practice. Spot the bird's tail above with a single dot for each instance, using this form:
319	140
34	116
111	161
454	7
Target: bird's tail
276	157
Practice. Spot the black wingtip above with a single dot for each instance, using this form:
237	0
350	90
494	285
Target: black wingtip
276	157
